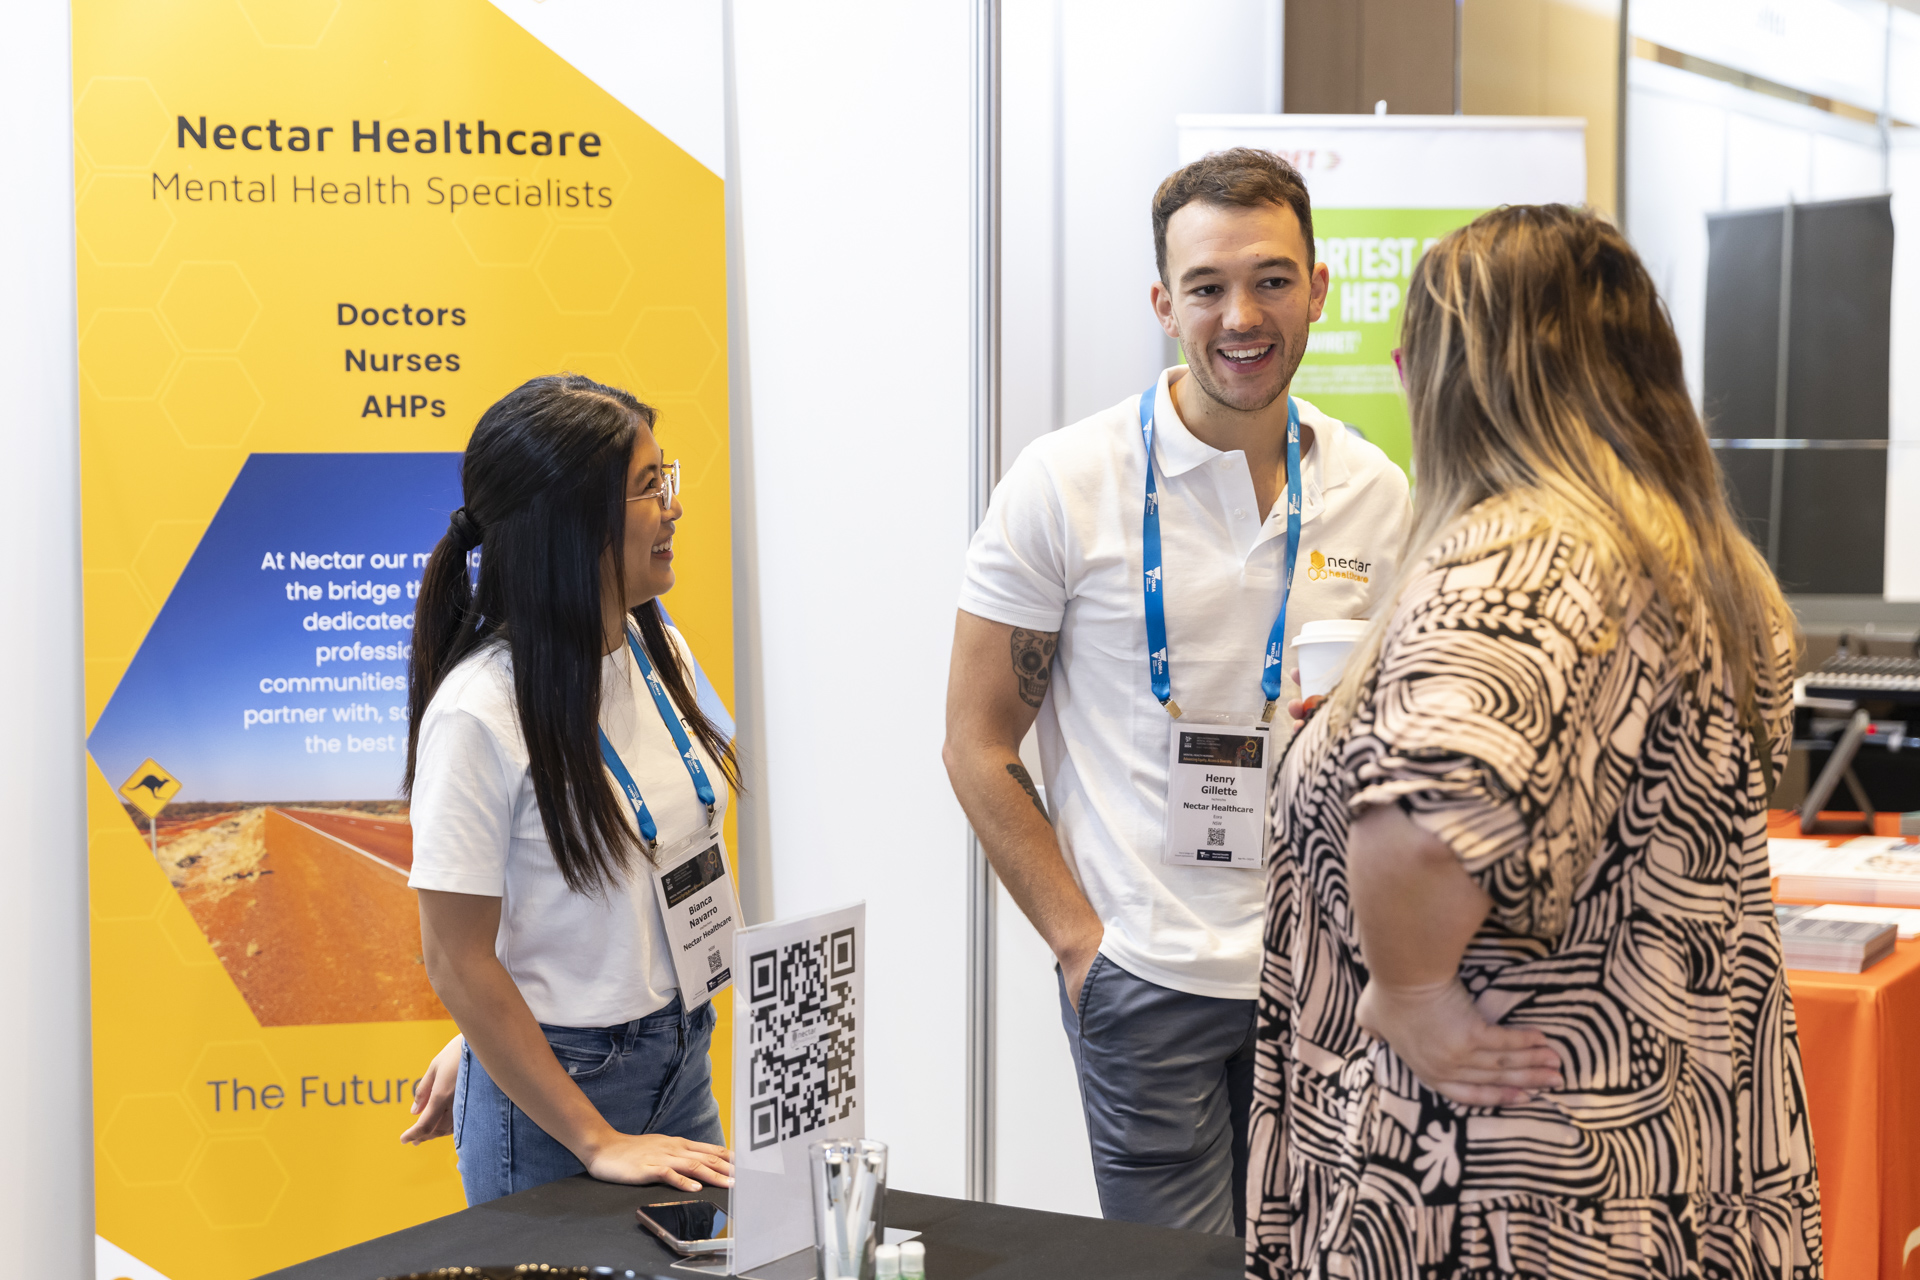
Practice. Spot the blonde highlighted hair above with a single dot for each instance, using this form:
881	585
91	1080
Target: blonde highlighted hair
1541	368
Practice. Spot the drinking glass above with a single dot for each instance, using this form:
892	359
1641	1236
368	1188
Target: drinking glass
849	1206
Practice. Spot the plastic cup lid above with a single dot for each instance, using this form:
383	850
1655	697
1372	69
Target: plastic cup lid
1343	630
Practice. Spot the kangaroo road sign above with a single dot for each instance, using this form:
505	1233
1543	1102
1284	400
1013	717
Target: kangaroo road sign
150	787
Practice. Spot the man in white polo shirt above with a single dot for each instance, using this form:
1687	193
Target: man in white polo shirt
1142	615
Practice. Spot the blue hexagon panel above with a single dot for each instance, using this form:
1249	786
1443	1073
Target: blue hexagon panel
273	686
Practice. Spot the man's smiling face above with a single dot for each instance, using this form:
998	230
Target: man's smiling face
1239	296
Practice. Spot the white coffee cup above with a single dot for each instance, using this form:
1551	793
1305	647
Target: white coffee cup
1322	649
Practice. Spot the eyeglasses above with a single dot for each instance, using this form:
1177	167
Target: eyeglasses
666	490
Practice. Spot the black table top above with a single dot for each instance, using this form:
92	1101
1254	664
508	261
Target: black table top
581	1221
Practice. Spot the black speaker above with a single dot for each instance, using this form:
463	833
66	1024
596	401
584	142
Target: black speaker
1798	324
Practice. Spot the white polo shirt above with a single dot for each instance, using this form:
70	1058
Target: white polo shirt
1060	551
579	959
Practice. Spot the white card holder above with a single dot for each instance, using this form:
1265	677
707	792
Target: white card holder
1217	791
693	883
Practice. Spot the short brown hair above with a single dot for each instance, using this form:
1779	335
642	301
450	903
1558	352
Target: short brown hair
1243	176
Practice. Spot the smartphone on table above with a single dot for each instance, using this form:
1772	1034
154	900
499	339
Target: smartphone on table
691	1228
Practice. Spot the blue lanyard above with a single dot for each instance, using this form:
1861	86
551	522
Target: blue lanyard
688	756
1159	671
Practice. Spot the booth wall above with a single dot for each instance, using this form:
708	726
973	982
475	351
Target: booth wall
46	1177
1090	89
852	286
851	270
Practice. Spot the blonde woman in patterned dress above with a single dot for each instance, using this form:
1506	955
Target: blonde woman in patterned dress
1522	1010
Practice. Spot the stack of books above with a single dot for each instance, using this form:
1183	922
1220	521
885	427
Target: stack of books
1834	946
1874	870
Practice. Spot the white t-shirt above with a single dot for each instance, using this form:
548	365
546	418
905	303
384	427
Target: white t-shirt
579	960
1060	550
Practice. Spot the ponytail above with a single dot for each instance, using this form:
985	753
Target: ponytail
445	626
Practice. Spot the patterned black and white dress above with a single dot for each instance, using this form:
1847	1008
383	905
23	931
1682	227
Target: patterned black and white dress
1543	718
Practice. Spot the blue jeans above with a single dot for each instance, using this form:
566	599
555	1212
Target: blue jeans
650	1075
1166	1080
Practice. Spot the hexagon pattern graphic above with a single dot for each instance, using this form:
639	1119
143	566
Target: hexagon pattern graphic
502	237
290	24
237	1182
209	306
184	937
163	554
125	898
116	604
685	433
125	355
584	270
211	402
137	228
671	351
151	1138
119	122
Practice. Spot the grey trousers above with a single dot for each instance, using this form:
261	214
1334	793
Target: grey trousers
1166	1080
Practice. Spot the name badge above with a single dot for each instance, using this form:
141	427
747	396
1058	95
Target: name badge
1217	795
695	889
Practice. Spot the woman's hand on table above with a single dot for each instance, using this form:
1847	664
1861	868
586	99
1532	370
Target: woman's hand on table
433	1096
1444	1040
655	1157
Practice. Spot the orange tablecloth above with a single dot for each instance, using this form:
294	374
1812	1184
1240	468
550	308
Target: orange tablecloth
1860	1043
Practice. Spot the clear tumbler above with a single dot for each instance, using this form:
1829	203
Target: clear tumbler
849	1206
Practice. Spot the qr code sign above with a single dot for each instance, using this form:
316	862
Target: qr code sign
801	1037
1216	837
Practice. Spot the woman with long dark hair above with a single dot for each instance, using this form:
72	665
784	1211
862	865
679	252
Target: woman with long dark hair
539	921
1523	1013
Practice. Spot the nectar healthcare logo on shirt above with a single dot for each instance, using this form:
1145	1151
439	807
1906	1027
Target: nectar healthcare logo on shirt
1321	566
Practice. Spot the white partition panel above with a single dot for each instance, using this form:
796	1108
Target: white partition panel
46	1174
1090	89
851	124
1126	68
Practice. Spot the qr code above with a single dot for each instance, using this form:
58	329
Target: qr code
801	1041
1216	837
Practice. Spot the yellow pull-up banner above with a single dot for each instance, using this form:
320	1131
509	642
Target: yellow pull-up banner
317	238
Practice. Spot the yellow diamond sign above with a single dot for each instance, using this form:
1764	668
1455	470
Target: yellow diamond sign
150	787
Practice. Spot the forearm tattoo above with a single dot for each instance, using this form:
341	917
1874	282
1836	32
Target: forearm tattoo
1033	663
1025	779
